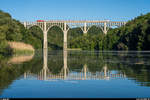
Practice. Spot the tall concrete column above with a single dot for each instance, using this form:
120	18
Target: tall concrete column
65	40
65	63
45	52
105	28
45	39
25	24
85	29
65	36
45	36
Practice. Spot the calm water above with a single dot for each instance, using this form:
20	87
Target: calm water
76	74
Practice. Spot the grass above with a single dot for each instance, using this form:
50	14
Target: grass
20	48
22	52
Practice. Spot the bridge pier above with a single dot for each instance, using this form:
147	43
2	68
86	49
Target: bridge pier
85	29
45	40
65	40
105	28
25	24
45	36
65	36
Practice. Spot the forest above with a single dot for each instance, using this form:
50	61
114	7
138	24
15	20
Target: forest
134	36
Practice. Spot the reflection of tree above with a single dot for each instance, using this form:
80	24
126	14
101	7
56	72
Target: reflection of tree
10	72
55	61
129	63
95	61
123	62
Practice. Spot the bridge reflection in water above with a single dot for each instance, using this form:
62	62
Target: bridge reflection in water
66	74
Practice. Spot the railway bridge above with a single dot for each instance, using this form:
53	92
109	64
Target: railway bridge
65	25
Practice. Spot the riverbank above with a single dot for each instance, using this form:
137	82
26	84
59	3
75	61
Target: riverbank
20	48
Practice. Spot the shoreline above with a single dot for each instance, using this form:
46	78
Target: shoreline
21	48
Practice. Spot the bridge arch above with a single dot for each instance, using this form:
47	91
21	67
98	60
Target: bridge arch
72	34
37	32
54	26
114	26
32	25
97	29
55	37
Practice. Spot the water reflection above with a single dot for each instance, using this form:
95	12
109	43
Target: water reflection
67	74
20	59
79	65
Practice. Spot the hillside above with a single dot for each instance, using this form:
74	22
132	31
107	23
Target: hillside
12	30
135	35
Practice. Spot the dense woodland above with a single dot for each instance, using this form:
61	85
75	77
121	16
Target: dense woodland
135	35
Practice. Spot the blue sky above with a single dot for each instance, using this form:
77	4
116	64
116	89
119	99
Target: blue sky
116	10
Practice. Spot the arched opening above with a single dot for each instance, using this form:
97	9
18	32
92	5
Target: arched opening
73	33
113	27
94	30
36	37
55	38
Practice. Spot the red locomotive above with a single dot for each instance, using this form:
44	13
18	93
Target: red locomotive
40	20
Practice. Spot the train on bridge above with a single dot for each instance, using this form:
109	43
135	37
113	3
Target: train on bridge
39	20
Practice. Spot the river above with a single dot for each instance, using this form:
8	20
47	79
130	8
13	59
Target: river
76	74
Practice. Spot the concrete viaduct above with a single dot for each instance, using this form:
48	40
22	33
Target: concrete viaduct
68	24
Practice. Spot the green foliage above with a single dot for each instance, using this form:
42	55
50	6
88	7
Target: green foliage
55	38
14	31
94	30
34	36
72	34
4	21
135	35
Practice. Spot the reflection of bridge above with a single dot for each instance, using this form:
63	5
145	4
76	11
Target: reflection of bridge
83	75
66	25
66	74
